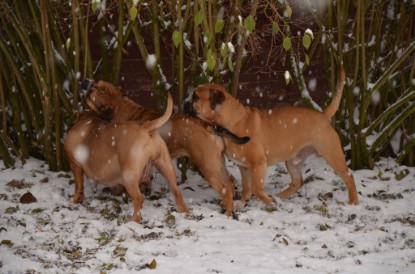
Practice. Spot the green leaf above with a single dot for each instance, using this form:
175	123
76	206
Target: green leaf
152	265
286	43
249	23
133	13
207	37
177	38
223	49
211	60
68	43
230	64
219	25
94	5
275	27
198	18
38	210
289	11
306	40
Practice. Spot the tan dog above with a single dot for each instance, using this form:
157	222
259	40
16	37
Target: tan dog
287	134
184	136
117	153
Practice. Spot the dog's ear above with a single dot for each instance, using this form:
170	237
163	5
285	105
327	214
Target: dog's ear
216	98
106	113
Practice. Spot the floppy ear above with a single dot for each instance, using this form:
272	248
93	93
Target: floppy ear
216	97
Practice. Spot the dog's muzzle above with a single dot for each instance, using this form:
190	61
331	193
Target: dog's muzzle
189	110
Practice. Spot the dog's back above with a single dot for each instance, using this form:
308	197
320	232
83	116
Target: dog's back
127	109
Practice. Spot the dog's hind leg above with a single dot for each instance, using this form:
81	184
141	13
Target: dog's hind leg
131	183
246	188
220	180
164	164
333	153
296	179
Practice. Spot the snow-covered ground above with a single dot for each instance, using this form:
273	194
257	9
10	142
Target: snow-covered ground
315	231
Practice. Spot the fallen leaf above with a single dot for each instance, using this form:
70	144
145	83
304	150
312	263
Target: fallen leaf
152	265
28	198
16	184
7	243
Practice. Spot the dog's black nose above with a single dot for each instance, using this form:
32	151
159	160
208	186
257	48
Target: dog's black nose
188	109
86	85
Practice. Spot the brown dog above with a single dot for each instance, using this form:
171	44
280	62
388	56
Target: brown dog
119	152
184	136
287	134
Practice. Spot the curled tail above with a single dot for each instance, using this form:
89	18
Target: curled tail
156	123
334	105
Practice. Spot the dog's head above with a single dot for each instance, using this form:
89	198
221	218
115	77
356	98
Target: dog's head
206	103
102	97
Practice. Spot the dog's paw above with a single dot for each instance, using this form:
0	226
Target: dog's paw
271	207
238	205
77	198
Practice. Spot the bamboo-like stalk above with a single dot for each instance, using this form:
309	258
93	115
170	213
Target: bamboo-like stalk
181	55
44	76
120	41
19	79
17	126
196	43
3	103
76	48
158	82
8	161
233	87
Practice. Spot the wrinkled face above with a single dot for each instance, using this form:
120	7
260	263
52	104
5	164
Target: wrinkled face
206	102
103	97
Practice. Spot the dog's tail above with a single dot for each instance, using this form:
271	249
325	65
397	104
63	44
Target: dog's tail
334	105
156	123
223	132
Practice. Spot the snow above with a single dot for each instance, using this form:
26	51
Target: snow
312	84
375	97
315	231
151	61
231	47
309	32
356	90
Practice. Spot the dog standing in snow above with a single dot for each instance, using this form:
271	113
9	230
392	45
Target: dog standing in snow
118	153
287	134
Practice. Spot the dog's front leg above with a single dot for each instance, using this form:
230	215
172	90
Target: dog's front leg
246	188
257	174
